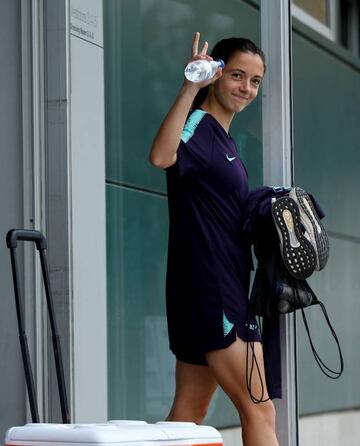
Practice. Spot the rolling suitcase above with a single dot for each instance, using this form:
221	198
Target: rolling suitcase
12	238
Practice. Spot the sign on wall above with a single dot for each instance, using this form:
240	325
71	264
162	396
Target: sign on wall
86	20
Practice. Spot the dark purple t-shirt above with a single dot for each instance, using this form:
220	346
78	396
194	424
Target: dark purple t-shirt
209	259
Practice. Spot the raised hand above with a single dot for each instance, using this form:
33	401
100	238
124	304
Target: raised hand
202	55
166	143
195	49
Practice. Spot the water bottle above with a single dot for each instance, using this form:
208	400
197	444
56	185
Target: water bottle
202	70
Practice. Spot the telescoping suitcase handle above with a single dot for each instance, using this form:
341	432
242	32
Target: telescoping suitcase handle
26	235
12	238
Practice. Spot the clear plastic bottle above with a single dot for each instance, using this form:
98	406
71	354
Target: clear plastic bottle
202	70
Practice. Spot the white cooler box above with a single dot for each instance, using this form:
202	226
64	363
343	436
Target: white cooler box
113	433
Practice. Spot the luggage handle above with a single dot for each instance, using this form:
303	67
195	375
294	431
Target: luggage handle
27	235
38	238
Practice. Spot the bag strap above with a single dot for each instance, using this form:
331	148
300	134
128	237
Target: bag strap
254	367
330	373
250	345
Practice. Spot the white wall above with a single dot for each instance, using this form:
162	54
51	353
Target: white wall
333	429
87	196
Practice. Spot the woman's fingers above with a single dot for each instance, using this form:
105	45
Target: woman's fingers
205	48
195	50
217	75
195	46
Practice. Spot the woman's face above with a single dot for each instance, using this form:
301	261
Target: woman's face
240	81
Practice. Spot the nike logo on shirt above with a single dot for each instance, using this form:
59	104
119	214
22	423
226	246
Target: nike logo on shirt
230	158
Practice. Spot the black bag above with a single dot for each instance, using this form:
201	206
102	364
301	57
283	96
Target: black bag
275	291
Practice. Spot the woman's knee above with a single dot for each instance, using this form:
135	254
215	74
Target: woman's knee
262	414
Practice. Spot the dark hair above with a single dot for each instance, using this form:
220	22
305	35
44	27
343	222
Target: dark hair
224	49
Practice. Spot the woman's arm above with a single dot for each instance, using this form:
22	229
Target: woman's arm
167	139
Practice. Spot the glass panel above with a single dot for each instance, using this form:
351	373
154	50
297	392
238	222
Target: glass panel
318	9
147	43
136	246
326	164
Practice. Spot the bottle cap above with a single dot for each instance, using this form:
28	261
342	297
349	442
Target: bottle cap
221	63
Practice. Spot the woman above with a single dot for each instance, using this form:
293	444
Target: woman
209	259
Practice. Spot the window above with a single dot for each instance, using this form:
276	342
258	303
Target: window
319	15
338	20
349	17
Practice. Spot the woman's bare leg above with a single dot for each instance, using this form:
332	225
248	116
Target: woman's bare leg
195	385
229	369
